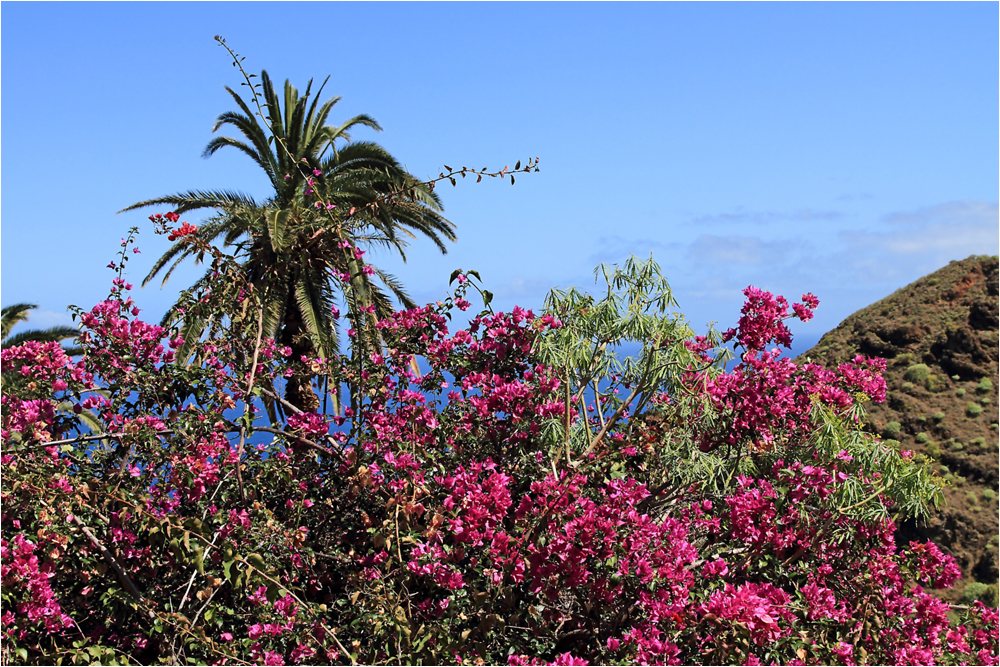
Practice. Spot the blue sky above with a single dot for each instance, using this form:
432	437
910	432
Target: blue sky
842	149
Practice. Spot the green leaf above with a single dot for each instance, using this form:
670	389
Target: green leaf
257	561
175	546
423	640
199	560
277	222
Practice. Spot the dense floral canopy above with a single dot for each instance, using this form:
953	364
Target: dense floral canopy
512	492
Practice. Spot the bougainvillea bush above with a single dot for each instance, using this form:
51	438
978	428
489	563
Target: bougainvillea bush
513	492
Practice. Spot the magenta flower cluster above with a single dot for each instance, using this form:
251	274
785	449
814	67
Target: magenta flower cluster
477	511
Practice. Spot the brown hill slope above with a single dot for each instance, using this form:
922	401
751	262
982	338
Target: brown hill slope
939	336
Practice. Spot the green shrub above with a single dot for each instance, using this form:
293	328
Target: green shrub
892	429
933	383
922	418
903	359
956	378
938	417
977	590
989	494
932	450
972	497
917	373
908	387
922	437
984	386
978	442
984	400
960	391
973	409
994	426
894	444
988	597
957	447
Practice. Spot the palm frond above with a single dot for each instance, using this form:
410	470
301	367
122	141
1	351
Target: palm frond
277	125
248	125
180	251
51	335
86	417
11	315
396	287
275	301
220	142
295	110
192	328
193	200
314	303
342	132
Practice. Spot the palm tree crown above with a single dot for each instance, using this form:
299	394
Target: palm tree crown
326	190
18	312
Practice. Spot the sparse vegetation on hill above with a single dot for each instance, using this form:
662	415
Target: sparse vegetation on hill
939	337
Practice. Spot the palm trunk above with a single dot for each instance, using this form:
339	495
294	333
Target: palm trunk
299	390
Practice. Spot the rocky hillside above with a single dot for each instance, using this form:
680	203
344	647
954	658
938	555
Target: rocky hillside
939	336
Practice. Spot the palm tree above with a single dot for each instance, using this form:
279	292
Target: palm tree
11	315
288	246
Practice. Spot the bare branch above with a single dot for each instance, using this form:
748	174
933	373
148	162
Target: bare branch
110	558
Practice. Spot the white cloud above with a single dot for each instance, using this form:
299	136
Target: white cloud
617	248
947	231
742	217
861	196
520	288
846	269
43	319
746	250
959	213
